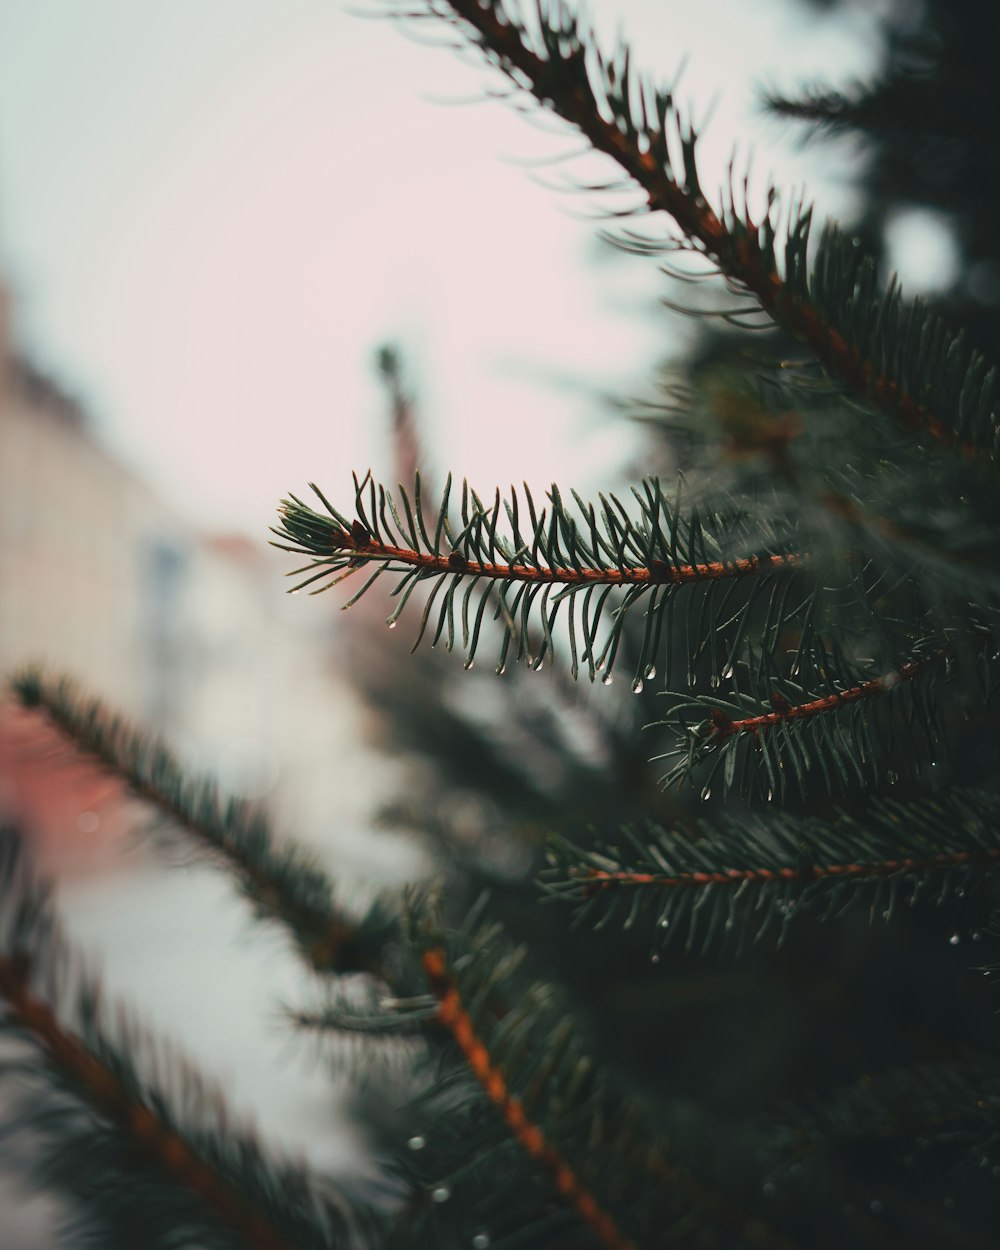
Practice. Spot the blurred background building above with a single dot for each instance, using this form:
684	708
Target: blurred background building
188	633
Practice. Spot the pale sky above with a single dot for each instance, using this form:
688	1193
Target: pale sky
212	212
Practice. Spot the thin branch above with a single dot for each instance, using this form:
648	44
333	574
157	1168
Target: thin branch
282	881
456	1019
563	83
722	726
139	1120
597	878
736	877
658	573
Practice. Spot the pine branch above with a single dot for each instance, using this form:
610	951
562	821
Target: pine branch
740	877
900	357
584	556
559	1113
283	883
723	727
775	732
102	1112
530	1137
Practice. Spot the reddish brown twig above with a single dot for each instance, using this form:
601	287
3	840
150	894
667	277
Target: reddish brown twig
599	879
104	1090
328	942
456	1019
657	573
723	727
568	90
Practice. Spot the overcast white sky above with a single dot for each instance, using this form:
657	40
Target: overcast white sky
213	211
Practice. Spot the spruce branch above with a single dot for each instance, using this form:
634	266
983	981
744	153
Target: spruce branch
454	1016
723	727
559	1109
283	883
103	1111
741	877
900	356
584	555
777	732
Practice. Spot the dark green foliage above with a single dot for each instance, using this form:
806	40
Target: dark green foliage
928	125
522	1029
598	564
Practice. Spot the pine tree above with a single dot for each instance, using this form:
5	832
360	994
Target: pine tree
751	1012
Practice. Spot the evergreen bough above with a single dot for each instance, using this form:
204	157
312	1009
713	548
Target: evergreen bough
810	611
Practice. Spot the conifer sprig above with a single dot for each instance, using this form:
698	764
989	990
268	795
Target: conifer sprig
283	883
783	711
562	1114
899	356
772	734
103	1117
739	878
543	560
455	1017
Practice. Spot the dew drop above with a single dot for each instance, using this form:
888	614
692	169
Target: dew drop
977	936
770	796
706	794
954	940
714	680
469	663
441	1194
727	672
480	1241
607	679
664	923
654	958
637	686
960	892
501	669
651	672
392	624
892	777
417	1142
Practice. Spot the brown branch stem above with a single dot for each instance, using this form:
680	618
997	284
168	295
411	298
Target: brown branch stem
723	727
456	1019
739	256
329	943
104	1090
657	573
600	879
